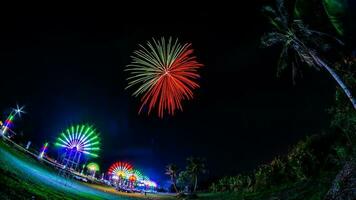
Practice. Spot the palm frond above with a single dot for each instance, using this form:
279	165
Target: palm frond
275	19
321	34
301	29
272	38
269	11
298	40
296	72
283	14
304	55
283	60
315	38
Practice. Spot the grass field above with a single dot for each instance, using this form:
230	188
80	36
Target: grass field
24	177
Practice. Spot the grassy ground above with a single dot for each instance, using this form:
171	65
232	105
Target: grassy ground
111	190
308	190
24	177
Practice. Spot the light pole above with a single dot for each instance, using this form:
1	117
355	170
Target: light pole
43	151
9	120
82	169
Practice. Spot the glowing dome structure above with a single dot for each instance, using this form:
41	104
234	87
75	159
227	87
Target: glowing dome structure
93	168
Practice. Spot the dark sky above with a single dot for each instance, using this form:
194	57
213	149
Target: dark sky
68	68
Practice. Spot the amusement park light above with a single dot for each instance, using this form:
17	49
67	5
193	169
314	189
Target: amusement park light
93	166
120	169
43	150
82	138
19	110
9	120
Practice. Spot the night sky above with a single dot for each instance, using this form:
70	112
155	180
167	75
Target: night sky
68	69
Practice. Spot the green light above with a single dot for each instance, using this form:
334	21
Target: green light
84	141
93	166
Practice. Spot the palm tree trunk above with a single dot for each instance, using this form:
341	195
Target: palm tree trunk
175	187
195	183
174	184
337	78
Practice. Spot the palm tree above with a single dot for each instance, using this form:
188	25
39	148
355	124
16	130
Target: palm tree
195	167
184	181
299	44
171	170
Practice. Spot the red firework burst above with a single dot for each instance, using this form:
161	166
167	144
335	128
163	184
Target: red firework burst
166	73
